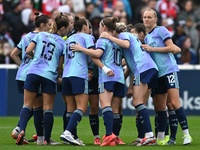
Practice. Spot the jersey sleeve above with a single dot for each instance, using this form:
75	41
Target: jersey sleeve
164	33
35	38
101	44
124	36
89	40
19	45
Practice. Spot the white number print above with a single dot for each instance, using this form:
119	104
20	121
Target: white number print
171	79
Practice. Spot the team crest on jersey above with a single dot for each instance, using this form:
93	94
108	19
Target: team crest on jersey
153	44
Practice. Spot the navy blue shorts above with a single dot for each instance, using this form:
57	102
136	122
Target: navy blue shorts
74	85
20	85
150	77
113	86
93	86
166	82
33	83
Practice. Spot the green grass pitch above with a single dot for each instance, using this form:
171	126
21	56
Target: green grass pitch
128	134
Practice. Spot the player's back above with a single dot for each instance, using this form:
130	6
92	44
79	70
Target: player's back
49	48
75	63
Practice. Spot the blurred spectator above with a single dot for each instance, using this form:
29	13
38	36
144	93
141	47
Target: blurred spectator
1	10
187	55
152	4
49	5
179	32
122	16
14	20
189	12
116	13
78	6
4	34
28	19
7	5
167	9
53	14
70	4
97	2
28	4
179	4
89	9
124	20
135	7
121	5
107	7
120	13
5	51
64	8
95	19
192	32
169	24
139	18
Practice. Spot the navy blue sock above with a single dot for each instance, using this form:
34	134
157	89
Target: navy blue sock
162	121
141	132
74	120
173	121
67	118
120	125
31	114
18	123
38	121
64	119
167	127
48	124
156	124
108	119
24	117
116	123
180	113
94	124
143	117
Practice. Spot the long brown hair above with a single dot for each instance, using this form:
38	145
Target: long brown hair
110	23
60	21
79	23
39	19
185	52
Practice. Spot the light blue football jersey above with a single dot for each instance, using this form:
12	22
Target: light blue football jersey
165	62
75	63
49	48
136	58
111	58
23	44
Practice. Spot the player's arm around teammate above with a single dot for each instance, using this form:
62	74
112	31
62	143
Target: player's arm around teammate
144	71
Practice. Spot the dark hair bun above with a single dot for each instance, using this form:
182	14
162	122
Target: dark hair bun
114	19
36	13
76	18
